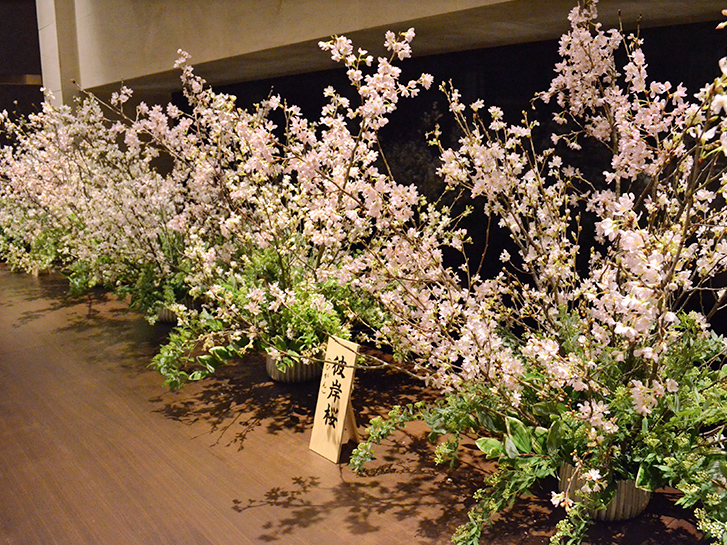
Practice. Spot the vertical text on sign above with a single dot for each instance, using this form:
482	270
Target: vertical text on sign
333	408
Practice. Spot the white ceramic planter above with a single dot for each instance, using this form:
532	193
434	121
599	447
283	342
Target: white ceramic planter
299	372
627	503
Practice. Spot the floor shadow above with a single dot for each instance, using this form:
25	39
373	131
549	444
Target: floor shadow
111	331
402	482
662	523
403	487
532	520
94	310
25	287
52	289
376	391
241	398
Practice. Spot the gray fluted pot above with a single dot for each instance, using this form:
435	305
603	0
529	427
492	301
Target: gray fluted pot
298	372
628	501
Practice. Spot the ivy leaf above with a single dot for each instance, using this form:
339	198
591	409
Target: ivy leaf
489	422
520	435
197	375
209	362
485	420
492	447
544	409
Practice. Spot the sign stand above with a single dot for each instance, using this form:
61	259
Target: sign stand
334	422
350	429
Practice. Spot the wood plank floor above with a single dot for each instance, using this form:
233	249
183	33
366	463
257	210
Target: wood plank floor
93	449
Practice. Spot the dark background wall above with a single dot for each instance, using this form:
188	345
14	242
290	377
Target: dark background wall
508	77
19	56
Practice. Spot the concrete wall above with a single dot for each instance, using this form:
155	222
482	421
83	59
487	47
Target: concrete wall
129	40
209	30
58	47
103	42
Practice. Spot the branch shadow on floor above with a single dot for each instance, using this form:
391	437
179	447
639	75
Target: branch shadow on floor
240	397
532	520
440	501
402	487
50	289
404	481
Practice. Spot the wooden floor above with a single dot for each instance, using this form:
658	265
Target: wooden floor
93	449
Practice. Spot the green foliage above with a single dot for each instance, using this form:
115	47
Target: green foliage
680	443
39	254
248	309
516	475
183	358
380	429
173	360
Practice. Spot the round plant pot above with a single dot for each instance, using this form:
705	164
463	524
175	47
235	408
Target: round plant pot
298	372
166	316
628	501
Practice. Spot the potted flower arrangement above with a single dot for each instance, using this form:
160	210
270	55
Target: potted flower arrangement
592	347
254	309
590	355
239	217
276	217
81	194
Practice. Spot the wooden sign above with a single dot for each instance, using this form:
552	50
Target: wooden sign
334	421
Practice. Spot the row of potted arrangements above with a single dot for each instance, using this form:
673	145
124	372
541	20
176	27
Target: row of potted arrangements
591	349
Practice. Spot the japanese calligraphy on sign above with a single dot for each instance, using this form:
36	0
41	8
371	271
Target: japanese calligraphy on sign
334	422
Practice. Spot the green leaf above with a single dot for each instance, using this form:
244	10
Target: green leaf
489	422
648	478
554	438
197	375
520	434
208	362
674	403
539	440
221	353
485	420
510	448
543	409
492	447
